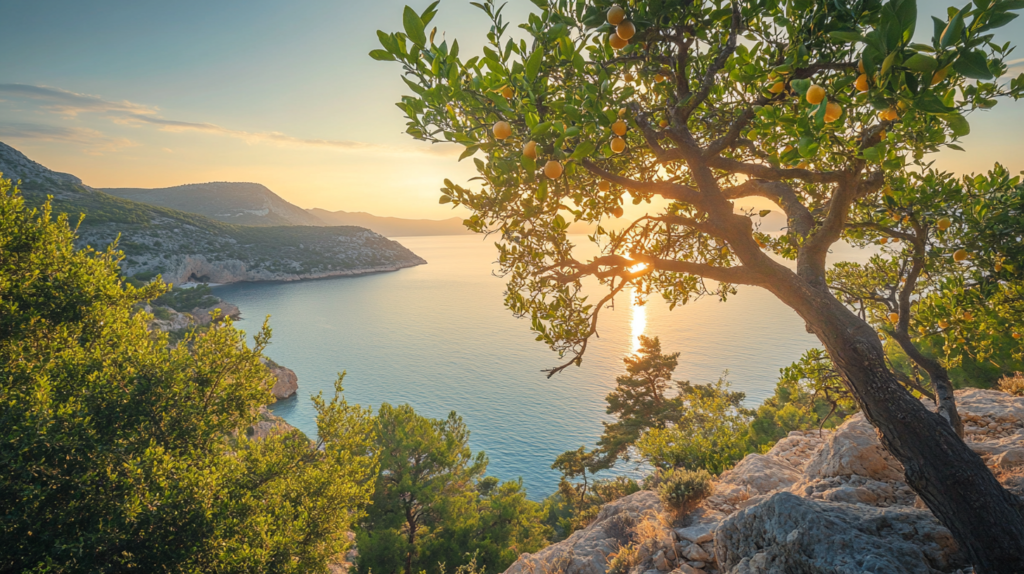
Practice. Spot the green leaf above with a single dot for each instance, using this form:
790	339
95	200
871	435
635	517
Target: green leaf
583	150
388	41
764	212
848	37
470	150
800	86
956	147
931	104
921	63
528	163
381	55
533	63
951	34
414	26
887	63
540	129
444	199
973	64
958	125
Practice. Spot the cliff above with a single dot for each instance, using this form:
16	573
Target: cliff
185	247
831	503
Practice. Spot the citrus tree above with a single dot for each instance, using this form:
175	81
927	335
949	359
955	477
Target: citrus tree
946	268
809	104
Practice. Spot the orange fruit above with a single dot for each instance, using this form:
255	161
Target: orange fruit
959	255
618	144
895	239
940	75
663	123
553	169
943	224
833	111
615	15
894	317
616	42
659	78
628	77
1016	335
860	66
530	149
501	130
815	94
507	92
777	87
603	185
884	240
862	83
943	323
617	212
998	267
889	114
619	128
625	30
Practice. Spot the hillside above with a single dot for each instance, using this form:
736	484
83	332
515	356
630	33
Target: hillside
188	247
229	202
392	226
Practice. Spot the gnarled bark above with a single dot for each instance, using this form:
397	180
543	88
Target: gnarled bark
940	381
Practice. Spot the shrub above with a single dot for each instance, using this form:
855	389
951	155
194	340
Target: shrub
624	560
1013	384
682	490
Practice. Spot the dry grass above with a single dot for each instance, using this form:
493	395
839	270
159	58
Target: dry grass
1013	384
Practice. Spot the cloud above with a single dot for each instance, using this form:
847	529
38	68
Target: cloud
97	141
72	104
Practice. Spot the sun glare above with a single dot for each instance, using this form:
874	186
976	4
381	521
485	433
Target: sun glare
636	268
638	323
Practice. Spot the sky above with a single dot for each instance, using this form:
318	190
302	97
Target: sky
157	94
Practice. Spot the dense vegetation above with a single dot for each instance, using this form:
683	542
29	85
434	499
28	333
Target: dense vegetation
121	454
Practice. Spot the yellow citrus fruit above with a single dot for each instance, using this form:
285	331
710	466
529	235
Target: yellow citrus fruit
862	83
943	224
507	92
628	77
617	211
777	87
895	239
959	255
815	94
943	323
894	317
616	42
884	240
553	169
619	128
889	114
530	149
501	130
618	144
940	75
615	15
603	185
659	78
860	66
625	30
1016	335
833	112
998	267
663	123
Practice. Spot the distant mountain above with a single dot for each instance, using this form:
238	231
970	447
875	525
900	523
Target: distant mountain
392	226
237	203
188	247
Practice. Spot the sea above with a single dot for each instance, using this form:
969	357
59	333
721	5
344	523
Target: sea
438	337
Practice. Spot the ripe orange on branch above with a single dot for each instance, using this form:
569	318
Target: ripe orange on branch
616	42
815	94
615	15
862	83
501	129
619	128
530	149
833	112
618	144
553	169
625	30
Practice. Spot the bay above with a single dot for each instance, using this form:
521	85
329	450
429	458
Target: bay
438	337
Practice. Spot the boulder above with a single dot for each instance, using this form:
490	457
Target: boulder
586	551
1009	458
267	425
223	309
785	533
756	474
854	449
287	382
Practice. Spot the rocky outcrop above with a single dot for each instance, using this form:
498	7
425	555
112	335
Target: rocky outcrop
817	502
786	533
287	382
267	425
193	268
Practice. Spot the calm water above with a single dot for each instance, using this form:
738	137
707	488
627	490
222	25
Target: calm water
438	337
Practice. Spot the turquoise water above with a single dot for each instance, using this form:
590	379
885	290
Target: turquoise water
437	337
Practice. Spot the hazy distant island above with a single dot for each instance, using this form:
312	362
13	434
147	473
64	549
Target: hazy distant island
190	247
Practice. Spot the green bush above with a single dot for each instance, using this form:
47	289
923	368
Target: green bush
682	490
624	560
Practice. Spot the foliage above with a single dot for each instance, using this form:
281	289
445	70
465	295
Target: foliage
623	560
577	503
432	505
1012	384
682	490
187	299
115	450
710	436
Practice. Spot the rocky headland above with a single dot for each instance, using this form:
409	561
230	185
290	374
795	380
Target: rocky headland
816	503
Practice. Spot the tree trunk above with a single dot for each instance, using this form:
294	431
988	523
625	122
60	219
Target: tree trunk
411	523
940	381
985	518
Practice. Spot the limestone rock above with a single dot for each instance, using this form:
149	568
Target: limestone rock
785	533
287	382
697	534
854	449
267	425
1009	458
756	474
223	308
586	550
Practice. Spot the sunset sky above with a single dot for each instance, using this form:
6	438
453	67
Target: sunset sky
155	94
